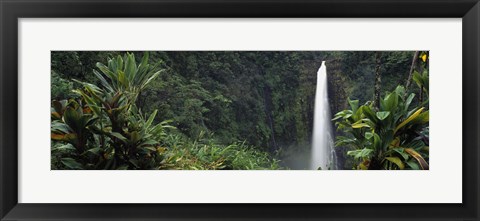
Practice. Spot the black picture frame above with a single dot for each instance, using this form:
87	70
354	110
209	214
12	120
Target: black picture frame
11	10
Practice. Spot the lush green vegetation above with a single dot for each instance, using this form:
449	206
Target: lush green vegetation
233	110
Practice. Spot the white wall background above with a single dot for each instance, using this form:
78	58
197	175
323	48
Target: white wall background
441	184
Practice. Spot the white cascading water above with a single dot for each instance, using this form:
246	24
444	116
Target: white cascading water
322	142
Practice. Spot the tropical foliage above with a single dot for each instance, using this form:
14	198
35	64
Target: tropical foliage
104	129
233	109
392	135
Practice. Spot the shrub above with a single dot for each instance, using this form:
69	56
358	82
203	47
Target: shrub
104	129
393	137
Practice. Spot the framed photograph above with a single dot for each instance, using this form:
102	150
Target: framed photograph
227	110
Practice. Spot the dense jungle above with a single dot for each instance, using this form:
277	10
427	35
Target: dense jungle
237	110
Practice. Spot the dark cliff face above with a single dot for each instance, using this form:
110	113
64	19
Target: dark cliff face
337	94
337	87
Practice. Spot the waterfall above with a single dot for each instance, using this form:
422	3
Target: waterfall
322	141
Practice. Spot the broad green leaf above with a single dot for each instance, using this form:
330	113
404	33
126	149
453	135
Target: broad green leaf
103	81
341	140
409	101
377	142
95	150
130	67
337	117
150	119
368	135
112	65
71	163
122	78
400	90
368	112
425	79
363	153
119	136
64	147
58	106
359	125
150	79
107	71
417	78
383	114
390	102
413	165
386	139
401	151
353	104
143	66
60	127
119	63
71	118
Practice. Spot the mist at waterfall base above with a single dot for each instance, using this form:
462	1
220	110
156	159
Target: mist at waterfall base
320	153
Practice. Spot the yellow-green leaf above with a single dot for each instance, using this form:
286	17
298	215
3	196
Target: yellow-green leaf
423	163
395	142
360	125
57	136
63	137
56	115
396	161
364	165
405	122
